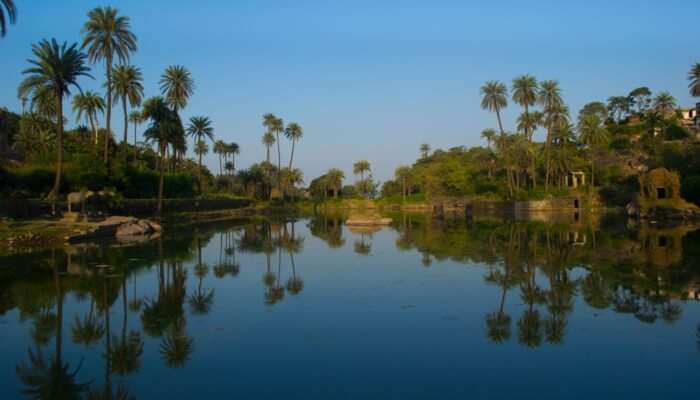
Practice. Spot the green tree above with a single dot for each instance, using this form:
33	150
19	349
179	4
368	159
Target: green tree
593	134
524	92
220	150
200	129
89	104
424	150
7	6
294	133
177	85
233	149
665	103
335	180
403	174
136	119
694	78
549	97
128	87
268	140
641	97
107	34
275	125
55	68
165	128
489	134
494	99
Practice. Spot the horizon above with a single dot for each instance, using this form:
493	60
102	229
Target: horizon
371	81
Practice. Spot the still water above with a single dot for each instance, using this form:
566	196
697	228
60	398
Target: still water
308	308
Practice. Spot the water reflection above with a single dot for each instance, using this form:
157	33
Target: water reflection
125	299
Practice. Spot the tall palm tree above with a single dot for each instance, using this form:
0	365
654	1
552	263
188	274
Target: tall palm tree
268	140
694	78
489	134
403	174
275	125
335	180
200	149
494	99
177	85
89	104
106	35
293	132
360	168
233	149
9	7
664	102
136	119
128	86
55	68
593	134
165	128
220	150
525	94
200	129
549	97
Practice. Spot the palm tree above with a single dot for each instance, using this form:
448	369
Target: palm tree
593	134
335	180
89	104
106	35
403	174
177	85
9	7
200	129
220	149
664	102
165	129
360	168
128	85
549	96
268	140
293	132
424	150
55	68
136	119
494	99
233	149
525	94
694	78
489	134
275	125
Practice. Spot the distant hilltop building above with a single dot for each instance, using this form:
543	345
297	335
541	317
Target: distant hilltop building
690	118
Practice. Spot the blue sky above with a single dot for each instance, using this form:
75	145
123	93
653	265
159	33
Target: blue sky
375	79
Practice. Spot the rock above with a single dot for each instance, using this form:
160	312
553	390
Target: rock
136	228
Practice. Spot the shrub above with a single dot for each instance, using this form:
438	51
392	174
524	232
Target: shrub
675	132
690	189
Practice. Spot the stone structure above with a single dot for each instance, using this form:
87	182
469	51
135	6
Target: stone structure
660	184
575	179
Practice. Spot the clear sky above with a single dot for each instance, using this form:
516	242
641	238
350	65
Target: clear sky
373	79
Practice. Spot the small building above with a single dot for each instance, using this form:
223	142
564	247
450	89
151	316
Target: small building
690	117
660	184
575	179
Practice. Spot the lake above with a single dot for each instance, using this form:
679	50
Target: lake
489	308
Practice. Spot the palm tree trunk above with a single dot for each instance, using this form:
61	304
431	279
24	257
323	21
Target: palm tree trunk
546	151
221	169
109	108
403	189
126	125
279	164
292	155
162	180
59	141
199	174
500	125
268	152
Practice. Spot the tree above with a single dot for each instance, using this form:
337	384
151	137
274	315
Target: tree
106	35
360	168
593	134
641	97
489	134
200	149
293	132
128	86
177	85
89	104
233	149
275	125
665	103
136	119
619	106
220	150
268	140
335	180
524	92
55	68
494	99
549	97
165	128
694	78
200	129
424	150
7	6
403	174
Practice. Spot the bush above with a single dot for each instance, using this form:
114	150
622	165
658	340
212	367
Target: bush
620	192
675	132
621	144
